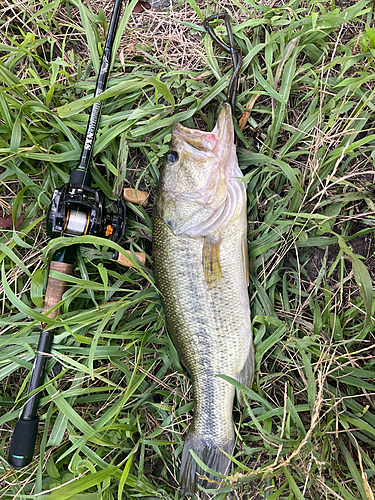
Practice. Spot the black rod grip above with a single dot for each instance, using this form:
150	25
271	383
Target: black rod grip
22	446
30	408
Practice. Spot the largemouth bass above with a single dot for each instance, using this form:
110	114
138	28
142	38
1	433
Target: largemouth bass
201	269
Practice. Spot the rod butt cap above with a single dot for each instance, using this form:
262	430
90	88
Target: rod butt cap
22	446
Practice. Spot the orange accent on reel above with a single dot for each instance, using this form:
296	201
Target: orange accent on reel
67	220
87	224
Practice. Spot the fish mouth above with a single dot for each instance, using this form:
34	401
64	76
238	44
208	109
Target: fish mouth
199	140
206	141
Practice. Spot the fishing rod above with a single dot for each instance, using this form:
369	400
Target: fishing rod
76	209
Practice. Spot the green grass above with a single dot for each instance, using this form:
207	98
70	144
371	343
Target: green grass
113	421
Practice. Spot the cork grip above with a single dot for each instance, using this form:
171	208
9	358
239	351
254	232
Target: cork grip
55	287
141	256
136	197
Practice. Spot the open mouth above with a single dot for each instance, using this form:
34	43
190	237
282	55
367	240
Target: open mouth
201	141
221	137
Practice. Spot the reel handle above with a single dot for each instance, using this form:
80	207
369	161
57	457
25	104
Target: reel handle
121	259
135	196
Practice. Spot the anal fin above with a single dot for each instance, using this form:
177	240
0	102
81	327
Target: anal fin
246	375
245	259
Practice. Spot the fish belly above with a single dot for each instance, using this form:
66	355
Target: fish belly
209	324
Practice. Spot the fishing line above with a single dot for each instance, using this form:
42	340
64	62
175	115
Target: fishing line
230	49
237	64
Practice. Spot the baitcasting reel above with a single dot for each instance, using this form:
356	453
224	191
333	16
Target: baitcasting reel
77	209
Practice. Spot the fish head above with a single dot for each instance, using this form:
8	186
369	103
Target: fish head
193	183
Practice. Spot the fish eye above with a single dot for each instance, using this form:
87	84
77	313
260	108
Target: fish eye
172	157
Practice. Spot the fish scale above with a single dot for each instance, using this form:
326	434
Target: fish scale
207	319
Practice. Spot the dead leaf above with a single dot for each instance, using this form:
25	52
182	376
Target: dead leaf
7	222
141	6
122	59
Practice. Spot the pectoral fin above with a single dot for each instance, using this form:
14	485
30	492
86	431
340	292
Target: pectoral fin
211	260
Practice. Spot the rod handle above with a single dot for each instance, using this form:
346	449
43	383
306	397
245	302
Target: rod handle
22	445
121	259
56	288
135	196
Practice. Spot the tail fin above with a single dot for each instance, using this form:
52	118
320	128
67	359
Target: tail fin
211	455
